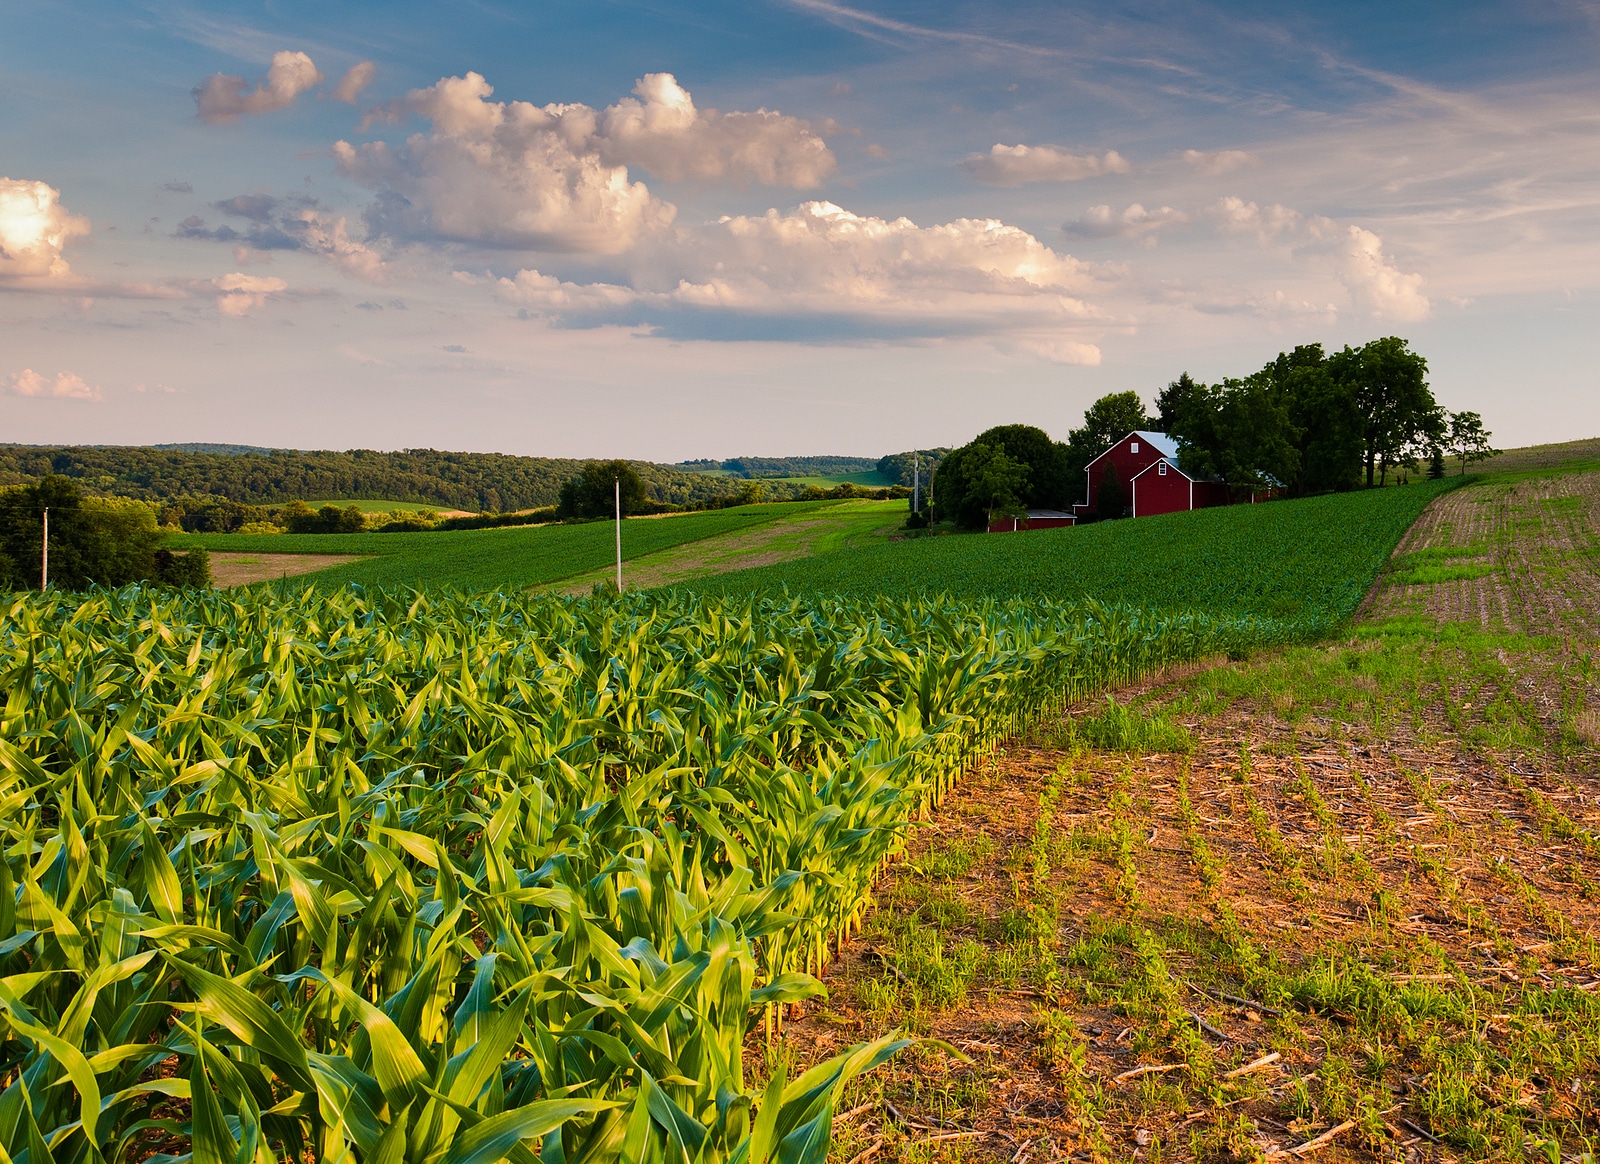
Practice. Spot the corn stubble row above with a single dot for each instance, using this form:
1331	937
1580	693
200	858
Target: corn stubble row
376	877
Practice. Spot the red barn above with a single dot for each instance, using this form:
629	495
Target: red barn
1034	519
1146	466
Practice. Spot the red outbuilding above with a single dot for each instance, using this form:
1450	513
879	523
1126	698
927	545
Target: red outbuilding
1145	465
1033	519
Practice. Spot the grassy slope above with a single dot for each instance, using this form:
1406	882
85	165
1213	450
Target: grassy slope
800	532
366	506
1286	559
483	559
870	478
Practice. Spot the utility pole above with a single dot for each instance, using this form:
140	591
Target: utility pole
617	482
44	560
916	483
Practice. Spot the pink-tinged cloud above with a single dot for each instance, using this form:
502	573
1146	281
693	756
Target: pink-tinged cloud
1215	162
1134	223
510	173
222	97
820	262
62	386
354	82
1007	165
239	294
34	231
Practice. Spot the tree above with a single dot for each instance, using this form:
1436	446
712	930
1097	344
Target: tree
1048	484
1111	502
995	481
1105	422
93	541
593	492
1175	402
1468	439
1396	409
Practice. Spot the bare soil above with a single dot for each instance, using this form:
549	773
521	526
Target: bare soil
243	569
1358	919
1542	537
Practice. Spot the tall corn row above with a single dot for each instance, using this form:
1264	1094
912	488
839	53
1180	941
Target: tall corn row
385	877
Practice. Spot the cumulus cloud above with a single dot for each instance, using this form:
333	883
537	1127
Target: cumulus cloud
1376	283
1135	222
1215	162
239	294
64	385
355	80
556	177
1356	256
222	97
547	294
820	264
506	174
287	224
34	231
1007	165
1267	223
659	129
1060	351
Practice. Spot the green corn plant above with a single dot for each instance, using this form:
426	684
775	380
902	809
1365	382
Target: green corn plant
384	876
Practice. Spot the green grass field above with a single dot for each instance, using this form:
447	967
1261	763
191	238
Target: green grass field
871	479
367	506
800	531
1312	559
494	558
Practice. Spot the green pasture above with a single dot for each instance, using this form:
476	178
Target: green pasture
1311	559
800	531
871	479
369	506
487	559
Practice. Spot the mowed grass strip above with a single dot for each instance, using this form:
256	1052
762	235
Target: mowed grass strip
1311	560
491	558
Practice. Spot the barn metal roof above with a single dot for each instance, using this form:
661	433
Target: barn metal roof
1160	442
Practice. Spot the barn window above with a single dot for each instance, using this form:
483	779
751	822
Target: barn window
1134	447
1162	470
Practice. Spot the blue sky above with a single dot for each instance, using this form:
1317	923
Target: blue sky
674	231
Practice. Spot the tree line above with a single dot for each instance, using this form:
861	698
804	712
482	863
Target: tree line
1308	422
93	540
481	482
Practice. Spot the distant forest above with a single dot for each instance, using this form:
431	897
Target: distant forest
752	468
897	467
482	482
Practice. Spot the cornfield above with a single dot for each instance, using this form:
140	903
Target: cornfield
365	876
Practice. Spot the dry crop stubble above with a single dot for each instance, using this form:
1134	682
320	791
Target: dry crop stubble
1352	911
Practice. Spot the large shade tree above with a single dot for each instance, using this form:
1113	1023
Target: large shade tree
1388	383
594	492
1047	484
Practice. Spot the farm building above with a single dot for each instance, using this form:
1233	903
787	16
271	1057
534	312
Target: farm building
1145	465
1033	519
